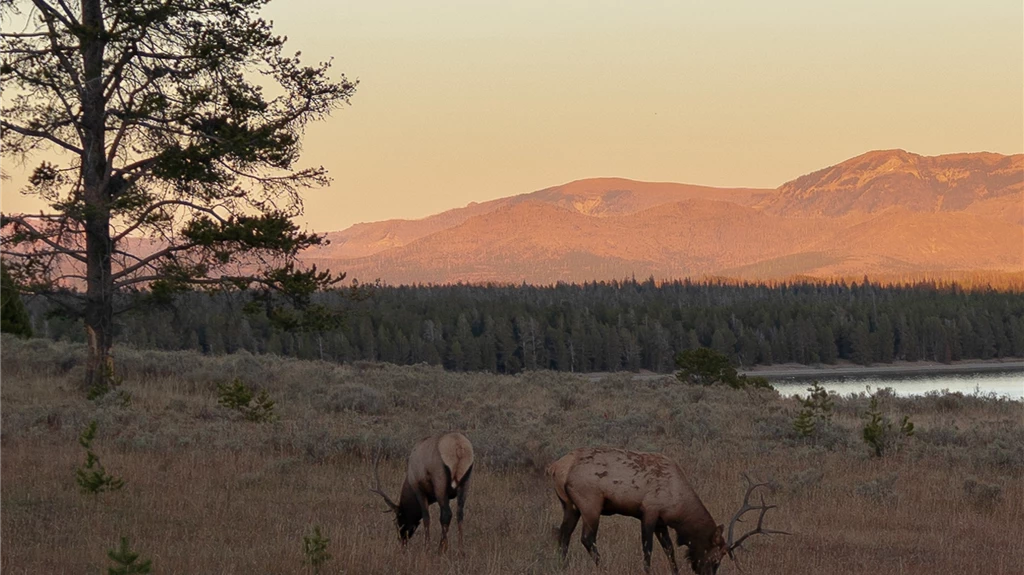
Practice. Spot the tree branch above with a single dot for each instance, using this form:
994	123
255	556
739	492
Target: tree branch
39	254
71	24
37	235
144	262
194	281
140	219
40	135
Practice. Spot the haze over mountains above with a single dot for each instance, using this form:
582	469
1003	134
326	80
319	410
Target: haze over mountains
884	213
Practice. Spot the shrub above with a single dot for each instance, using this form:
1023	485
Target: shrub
125	561
878	431
942	435
705	366
238	397
816	409
357	398
982	495
754	381
106	384
1005	453
13	316
880	490
91	477
806	479
314	547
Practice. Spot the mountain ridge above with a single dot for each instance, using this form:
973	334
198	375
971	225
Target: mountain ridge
882	212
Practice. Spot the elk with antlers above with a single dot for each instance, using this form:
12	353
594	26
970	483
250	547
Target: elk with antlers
438	470
591	482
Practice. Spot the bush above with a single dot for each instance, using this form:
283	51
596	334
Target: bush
881	490
236	396
125	561
805	480
1004	453
705	366
358	398
982	495
91	477
314	547
878	431
13	315
816	411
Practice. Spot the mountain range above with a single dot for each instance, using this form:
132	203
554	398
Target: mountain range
884	214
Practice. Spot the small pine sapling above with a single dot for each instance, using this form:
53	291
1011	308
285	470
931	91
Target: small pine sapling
238	397
127	561
878	430
107	383
875	428
816	408
262	408
234	395
92	477
314	547
804	424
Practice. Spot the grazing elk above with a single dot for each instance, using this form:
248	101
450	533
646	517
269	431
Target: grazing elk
591	482
439	469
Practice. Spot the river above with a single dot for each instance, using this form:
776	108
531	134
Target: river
1010	384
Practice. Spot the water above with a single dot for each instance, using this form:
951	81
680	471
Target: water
1000	384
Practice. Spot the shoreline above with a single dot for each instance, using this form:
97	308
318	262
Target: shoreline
797	372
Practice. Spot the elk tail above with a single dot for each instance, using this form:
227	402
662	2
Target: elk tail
559	474
457	454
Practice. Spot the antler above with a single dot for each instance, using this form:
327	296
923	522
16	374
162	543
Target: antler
377	489
734	544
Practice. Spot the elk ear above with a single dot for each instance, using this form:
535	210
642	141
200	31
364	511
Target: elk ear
719	539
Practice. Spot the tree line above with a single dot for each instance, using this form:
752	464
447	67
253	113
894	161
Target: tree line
601	326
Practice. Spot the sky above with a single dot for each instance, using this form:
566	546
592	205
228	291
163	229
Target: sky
471	100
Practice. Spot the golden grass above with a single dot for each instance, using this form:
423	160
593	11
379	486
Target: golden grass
207	492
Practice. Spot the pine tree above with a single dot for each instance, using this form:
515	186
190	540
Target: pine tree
13	316
314	548
127	561
92	478
163	130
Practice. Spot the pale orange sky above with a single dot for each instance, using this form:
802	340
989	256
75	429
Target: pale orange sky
471	100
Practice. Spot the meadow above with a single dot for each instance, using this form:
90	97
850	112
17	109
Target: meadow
207	491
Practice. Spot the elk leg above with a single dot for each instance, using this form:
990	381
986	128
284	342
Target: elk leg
461	500
425	509
666	543
570	516
589	536
446	520
647	542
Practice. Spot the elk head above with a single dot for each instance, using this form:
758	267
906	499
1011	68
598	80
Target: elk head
729	546
404	522
706	557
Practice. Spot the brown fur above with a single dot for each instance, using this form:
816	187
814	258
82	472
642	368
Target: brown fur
439	469
591	482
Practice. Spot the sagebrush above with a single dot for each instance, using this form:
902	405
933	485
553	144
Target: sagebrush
213	493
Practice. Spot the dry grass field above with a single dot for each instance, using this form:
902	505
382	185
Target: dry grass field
208	492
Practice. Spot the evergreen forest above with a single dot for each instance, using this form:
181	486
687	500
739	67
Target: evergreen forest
593	327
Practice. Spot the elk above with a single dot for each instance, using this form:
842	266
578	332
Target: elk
439	469
591	482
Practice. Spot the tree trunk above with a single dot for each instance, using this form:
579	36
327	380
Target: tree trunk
99	305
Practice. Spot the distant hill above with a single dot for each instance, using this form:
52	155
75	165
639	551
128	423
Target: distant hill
594	197
885	214
885	179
